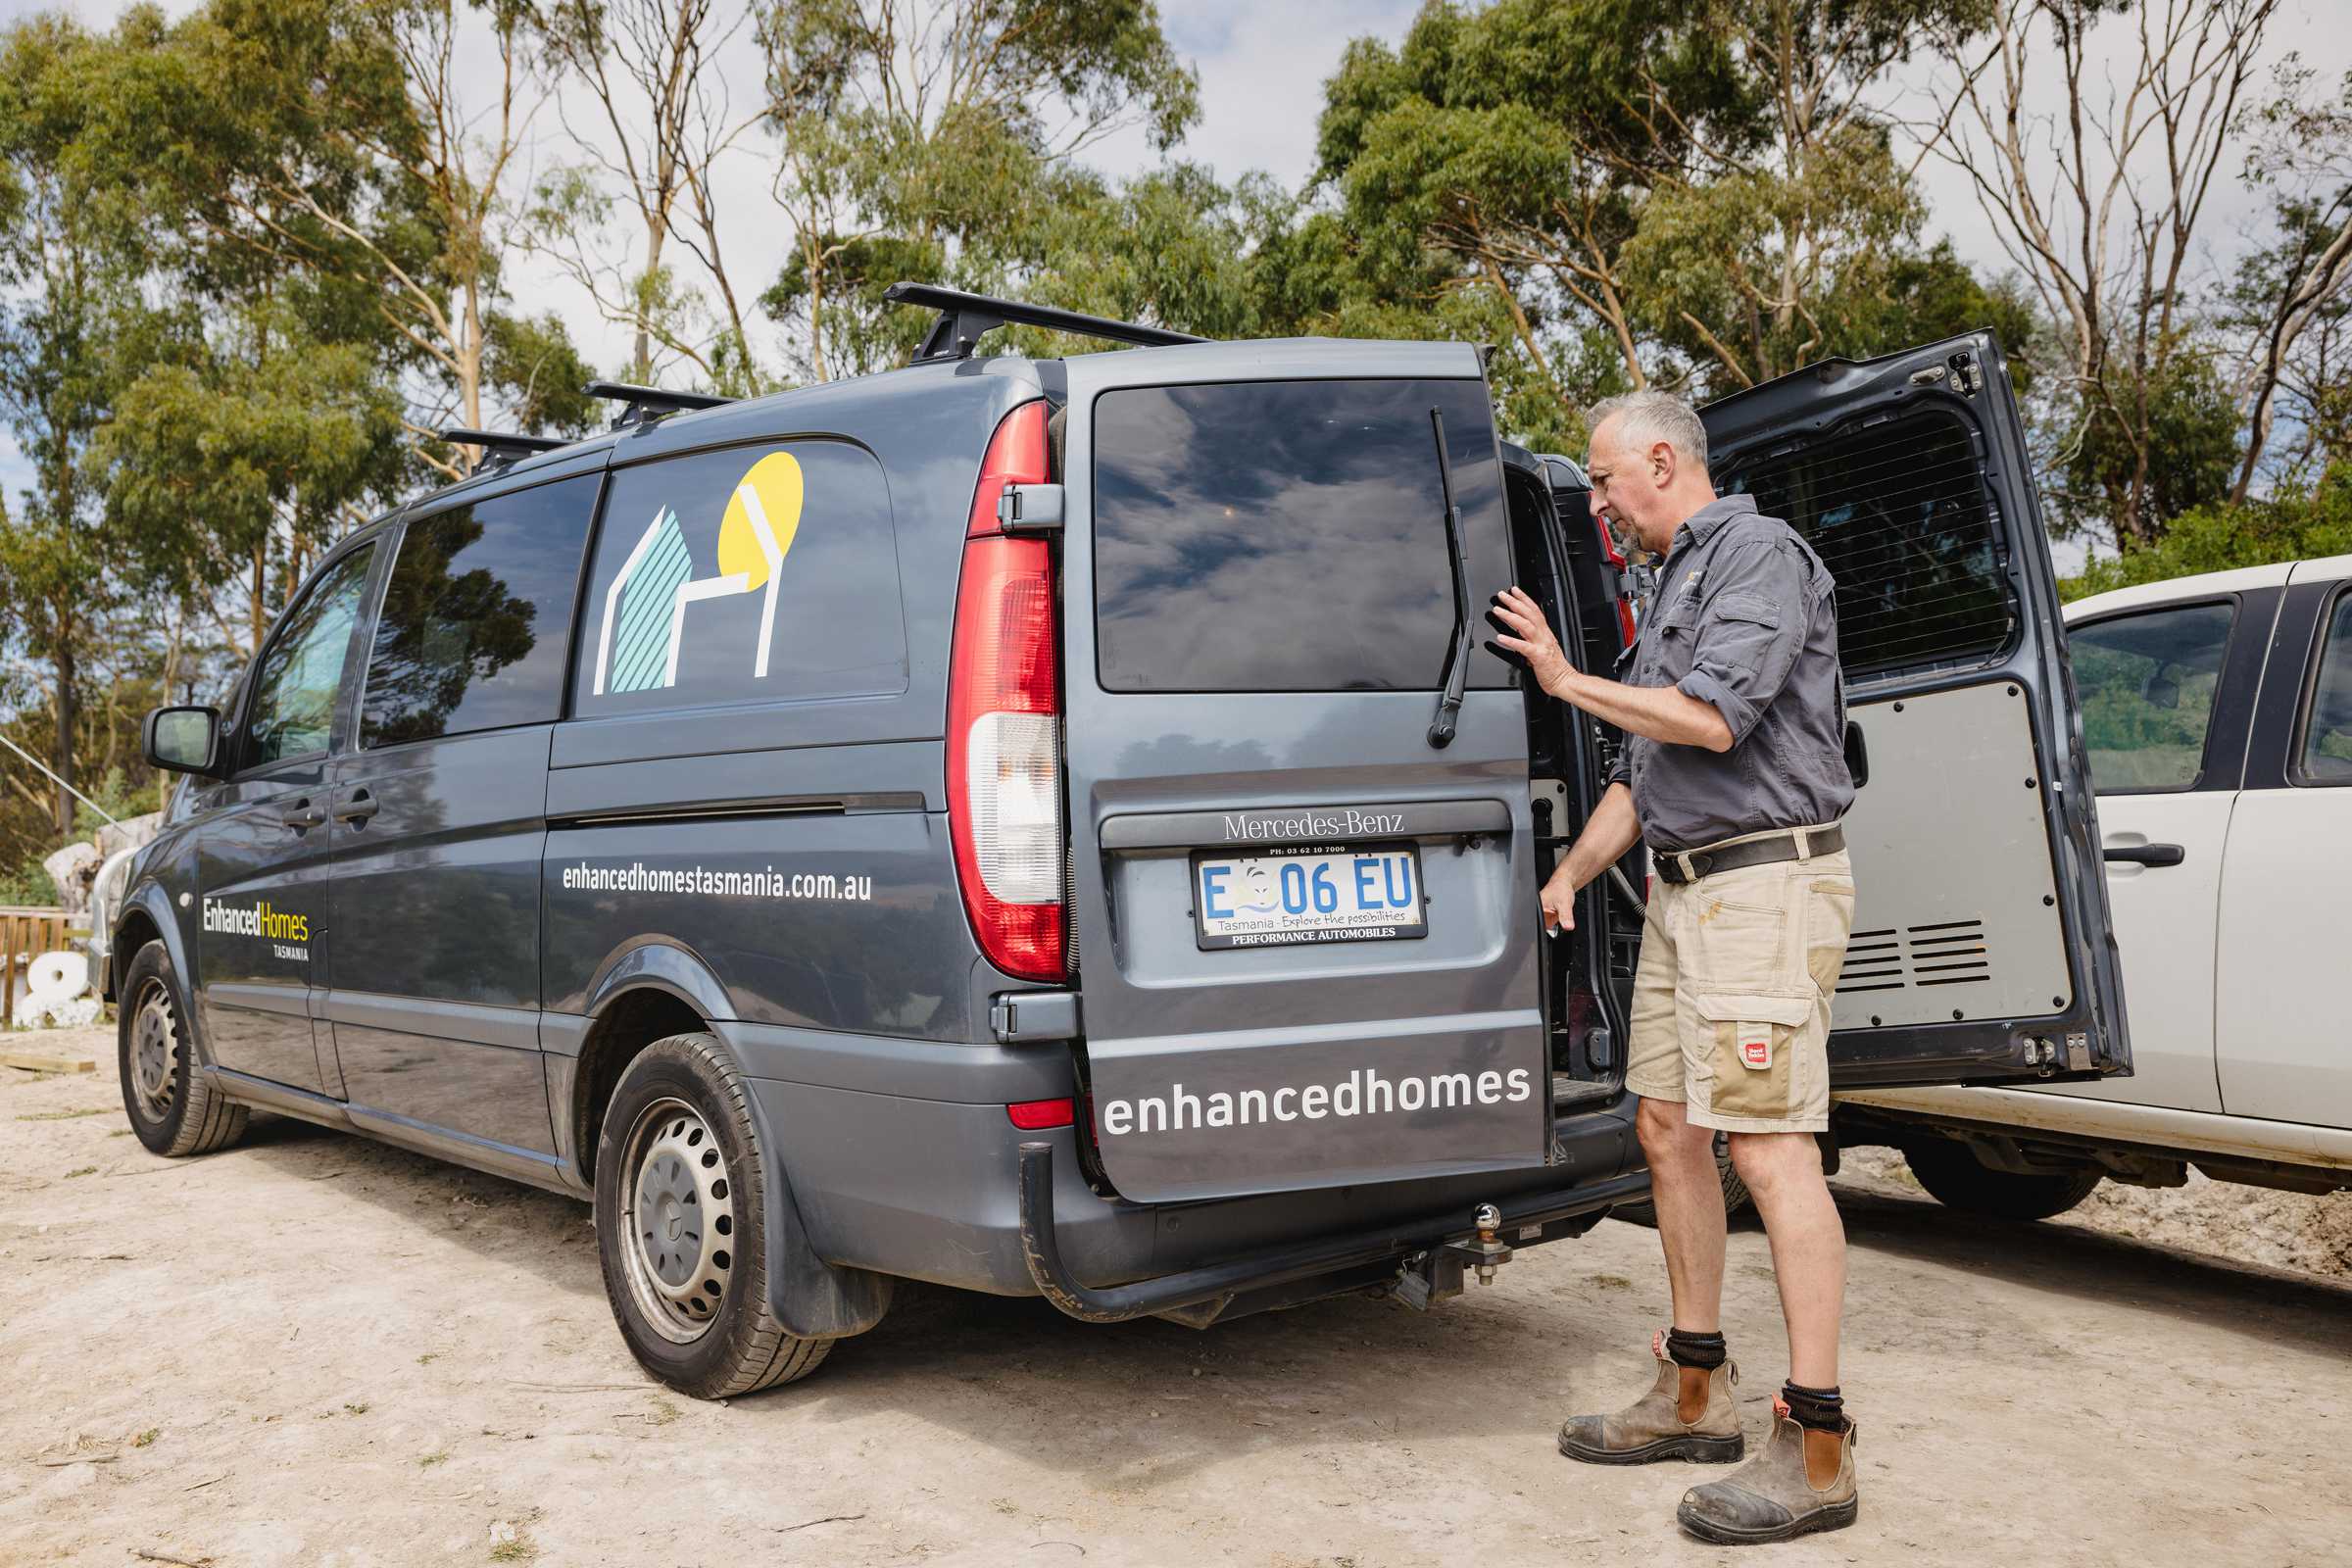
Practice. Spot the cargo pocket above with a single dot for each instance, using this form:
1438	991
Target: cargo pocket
1751	1058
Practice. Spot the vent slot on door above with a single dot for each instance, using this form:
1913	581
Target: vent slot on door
1947	953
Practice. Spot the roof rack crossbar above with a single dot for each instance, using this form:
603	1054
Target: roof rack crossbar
501	447
642	404
963	318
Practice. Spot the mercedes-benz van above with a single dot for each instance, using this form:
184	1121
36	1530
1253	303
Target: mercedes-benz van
1047	827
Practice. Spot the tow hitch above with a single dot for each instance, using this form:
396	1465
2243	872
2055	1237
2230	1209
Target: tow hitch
1435	1275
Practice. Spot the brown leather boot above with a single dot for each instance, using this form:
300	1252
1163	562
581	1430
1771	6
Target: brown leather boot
1802	1482
1686	1415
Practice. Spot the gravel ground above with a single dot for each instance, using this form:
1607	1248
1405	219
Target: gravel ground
313	1349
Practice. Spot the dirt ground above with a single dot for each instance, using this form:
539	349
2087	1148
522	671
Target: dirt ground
313	1350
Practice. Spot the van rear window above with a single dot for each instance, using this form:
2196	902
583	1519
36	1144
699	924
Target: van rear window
1290	535
1900	515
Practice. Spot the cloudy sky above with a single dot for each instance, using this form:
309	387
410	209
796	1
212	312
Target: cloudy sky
1261	72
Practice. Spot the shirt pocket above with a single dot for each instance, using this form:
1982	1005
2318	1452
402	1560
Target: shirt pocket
1747	635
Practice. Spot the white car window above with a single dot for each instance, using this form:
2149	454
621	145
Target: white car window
2147	684
2326	755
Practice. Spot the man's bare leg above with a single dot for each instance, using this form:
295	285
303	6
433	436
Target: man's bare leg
1689	1413
1688	1193
1783	1173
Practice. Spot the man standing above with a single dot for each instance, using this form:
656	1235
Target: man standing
1734	774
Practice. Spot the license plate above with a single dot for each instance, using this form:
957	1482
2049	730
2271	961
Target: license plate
1371	892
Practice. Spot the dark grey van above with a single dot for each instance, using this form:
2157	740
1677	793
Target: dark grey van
1042	827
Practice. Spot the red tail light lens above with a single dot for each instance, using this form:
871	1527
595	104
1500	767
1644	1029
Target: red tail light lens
1003	723
1616	559
1036	1115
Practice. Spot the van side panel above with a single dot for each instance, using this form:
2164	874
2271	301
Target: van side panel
795	847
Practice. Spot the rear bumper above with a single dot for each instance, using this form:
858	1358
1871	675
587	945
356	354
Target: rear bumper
1214	1285
930	1189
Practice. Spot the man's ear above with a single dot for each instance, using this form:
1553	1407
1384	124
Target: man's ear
1662	463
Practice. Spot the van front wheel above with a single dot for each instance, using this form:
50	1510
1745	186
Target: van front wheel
681	1226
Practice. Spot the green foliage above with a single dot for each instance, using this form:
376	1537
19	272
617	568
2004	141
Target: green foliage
216	457
2296	525
530	362
2185	460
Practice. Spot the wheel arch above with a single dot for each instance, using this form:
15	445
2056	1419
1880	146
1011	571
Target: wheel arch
811	1297
146	917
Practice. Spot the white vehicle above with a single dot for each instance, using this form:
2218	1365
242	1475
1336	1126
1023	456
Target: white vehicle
2216	715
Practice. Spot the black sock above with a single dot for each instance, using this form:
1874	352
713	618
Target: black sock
1703	1350
1816	1409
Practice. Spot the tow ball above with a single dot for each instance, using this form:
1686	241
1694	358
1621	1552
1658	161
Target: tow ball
1485	1251
1435	1276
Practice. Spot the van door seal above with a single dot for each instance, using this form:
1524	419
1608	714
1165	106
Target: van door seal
1457	662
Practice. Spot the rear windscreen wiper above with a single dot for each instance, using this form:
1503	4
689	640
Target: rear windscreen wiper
1457	661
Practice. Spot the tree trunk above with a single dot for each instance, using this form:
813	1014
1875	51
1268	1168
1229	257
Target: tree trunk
63	762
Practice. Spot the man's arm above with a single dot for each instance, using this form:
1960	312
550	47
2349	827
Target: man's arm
1608	833
1655	712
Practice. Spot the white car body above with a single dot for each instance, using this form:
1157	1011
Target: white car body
2235	956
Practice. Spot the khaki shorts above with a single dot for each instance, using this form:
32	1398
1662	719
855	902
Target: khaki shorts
1732	1000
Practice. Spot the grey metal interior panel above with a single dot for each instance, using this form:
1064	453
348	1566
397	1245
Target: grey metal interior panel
1954	912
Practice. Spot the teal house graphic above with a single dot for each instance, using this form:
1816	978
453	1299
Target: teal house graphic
641	650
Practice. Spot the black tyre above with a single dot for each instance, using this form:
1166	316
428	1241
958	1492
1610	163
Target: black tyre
174	1110
1735	1192
1955	1178
681	1223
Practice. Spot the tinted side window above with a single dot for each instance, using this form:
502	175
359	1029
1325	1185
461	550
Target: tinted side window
731	576
2147	684
2325	756
1899	515
477	616
1290	535
295	684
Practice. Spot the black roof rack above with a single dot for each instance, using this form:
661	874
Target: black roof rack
965	318
501	447
647	403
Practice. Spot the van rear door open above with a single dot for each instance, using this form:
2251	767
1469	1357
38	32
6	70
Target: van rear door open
1307	938
1982	949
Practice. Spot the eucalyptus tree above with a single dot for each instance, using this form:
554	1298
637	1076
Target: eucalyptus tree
940	141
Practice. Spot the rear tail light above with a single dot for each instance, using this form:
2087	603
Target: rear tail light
1617	566
1004	723
1036	1115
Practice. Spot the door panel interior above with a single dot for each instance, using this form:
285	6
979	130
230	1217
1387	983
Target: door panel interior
1982	949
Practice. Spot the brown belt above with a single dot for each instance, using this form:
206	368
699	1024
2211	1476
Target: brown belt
1669	864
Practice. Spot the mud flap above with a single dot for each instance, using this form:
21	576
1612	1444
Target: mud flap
813	1299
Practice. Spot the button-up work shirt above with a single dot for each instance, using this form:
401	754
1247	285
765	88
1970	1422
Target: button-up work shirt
1745	620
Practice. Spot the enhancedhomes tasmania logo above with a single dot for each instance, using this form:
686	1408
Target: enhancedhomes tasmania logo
257	919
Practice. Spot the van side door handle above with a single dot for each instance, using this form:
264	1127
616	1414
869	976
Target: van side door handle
2144	853
301	817
357	807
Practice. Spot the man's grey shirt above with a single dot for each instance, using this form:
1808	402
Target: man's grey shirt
1745	619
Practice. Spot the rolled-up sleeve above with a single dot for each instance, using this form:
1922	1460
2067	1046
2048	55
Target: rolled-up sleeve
1750	632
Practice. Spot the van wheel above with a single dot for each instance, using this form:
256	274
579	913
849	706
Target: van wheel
174	1110
1734	1191
1955	1178
681	1223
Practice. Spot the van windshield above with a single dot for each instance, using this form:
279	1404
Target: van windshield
1290	535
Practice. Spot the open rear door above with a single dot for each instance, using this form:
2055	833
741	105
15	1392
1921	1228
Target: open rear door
1982	949
1302	881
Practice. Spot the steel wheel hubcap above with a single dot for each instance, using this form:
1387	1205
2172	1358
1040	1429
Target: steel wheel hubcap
154	1052
679	1251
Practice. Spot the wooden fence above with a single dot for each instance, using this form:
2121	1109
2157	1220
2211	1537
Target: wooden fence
24	934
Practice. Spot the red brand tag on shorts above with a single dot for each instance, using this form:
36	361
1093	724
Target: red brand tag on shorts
1755	1046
